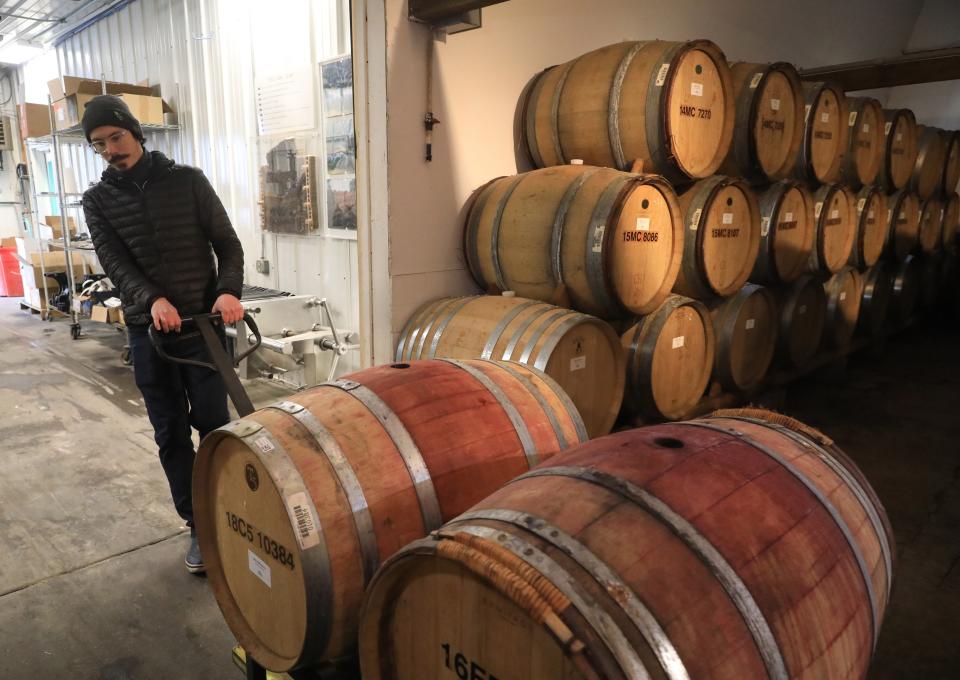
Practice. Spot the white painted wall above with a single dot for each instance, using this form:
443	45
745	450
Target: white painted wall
479	75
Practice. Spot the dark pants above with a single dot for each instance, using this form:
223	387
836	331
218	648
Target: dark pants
178	397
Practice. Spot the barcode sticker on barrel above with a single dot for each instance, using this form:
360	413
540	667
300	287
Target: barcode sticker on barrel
696	89
298	507
678	342
825	117
775	104
643	224
695	220
802	310
764	226
816	209
578	363
598	238
259	568
886	129
870	216
757	77
788	217
751	323
843	296
899	136
662	74
728	218
264	444
866	127
834	214
853	119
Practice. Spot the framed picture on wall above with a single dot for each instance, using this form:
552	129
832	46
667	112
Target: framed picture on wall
340	146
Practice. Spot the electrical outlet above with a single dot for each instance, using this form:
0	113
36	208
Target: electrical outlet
263	266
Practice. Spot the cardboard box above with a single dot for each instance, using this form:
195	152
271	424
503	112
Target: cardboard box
54	227
105	314
34	120
73	96
74	85
32	275
8	242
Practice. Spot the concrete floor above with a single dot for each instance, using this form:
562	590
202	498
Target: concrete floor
92	583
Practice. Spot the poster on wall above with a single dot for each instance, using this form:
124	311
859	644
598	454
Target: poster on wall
340	145
281	104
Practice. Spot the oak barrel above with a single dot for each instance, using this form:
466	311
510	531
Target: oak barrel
613	239
905	290
743	545
769	121
786	233
875	299
900	148
871	228
298	503
931	225
667	104
843	292
745	326
722	220
580	352
865	149
669	359
903	223
951	220
834	215
825	133
926	178
951	165
802	315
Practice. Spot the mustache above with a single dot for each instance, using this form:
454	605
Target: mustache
117	158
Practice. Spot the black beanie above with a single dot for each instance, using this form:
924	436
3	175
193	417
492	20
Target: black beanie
107	109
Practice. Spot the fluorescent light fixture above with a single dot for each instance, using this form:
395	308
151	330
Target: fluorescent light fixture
17	51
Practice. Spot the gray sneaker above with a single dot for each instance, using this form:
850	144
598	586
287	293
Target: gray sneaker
194	560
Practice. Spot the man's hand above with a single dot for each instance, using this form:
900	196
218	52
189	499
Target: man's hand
229	308
166	318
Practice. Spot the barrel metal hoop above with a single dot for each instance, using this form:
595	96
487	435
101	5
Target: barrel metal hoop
451	312
659	139
547	409
409	452
736	589
559	221
555	110
745	144
495	232
620	593
518	334
408	334
694	266
427	326
597	235
613	113
567	402
543	356
601	622
547	321
347	477
533	146
824	501
495	334
519	426
471	232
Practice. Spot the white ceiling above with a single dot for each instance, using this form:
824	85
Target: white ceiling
43	21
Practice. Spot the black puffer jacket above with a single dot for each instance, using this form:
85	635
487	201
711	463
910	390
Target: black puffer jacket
159	240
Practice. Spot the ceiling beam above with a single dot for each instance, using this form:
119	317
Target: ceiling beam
440	11
920	67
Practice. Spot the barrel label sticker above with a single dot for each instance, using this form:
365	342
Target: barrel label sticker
816	210
870	217
843	296
834	214
866	127
886	129
853	119
862	202
662	74
802	310
899	136
775	104
788	217
696	89
264	444
902	217
751	323
298	506
728	218
578	363
643	224
806	112
695	220
757	77
825	117
598	238
677	342
764	226
259	568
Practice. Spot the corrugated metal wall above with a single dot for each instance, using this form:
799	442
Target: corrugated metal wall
203	56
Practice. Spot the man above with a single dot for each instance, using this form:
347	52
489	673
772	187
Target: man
155	227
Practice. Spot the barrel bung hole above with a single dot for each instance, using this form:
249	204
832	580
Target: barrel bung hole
699	69
668	442
729	201
645	204
399	365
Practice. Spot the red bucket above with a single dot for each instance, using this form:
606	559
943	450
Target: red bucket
10	283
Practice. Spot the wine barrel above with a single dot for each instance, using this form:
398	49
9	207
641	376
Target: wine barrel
871	228
875	300
931	225
580	352
905	290
951	166
803	312
746	329
864	156
614	240
843	306
723	237
900	148
786	233
297	503
926	177
669	359
769	121
951	220
825	133
667	104
930	280
756	549
903	223
833	211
